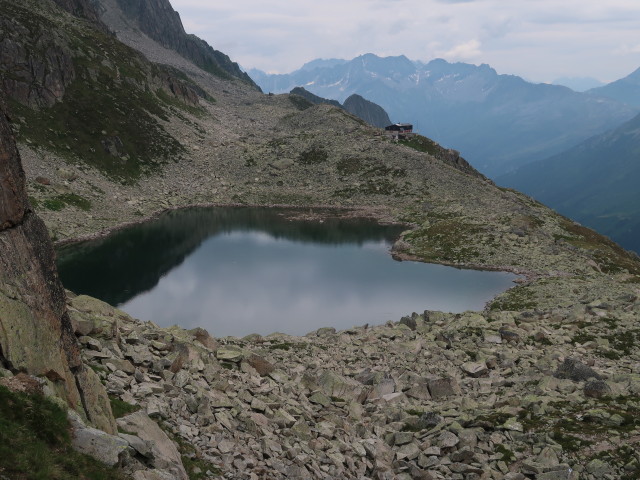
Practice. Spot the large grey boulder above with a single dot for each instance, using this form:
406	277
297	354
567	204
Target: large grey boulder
106	448
163	455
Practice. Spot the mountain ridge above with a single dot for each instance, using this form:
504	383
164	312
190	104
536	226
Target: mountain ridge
159	21
362	108
625	90
595	182
465	106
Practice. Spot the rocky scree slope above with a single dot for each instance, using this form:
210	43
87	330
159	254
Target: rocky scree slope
40	354
501	395
249	148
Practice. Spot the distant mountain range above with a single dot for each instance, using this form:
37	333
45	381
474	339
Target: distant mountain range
498	122
578	84
595	183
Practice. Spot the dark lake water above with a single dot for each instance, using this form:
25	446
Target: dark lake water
236	271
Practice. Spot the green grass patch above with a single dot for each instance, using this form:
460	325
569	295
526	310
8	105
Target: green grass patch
34	202
67	199
507	455
422	144
515	299
35	442
610	257
121	408
448	239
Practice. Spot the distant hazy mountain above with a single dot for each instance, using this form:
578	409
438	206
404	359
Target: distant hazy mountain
626	90
362	108
595	183
322	63
498	122
578	84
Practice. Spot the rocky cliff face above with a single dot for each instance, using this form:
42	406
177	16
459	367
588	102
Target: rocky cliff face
162	23
36	335
38	72
83	9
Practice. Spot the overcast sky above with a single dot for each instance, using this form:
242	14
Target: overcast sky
539	40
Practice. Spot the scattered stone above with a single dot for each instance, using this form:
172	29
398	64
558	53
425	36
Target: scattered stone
260	364
98	444
409	321
443	387
475	369
447	440
202	336
230	353
596	389
164	454
575	370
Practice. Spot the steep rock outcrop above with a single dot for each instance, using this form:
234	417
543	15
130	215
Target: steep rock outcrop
13	199
162	23
35	72
82	9
36	336
370	112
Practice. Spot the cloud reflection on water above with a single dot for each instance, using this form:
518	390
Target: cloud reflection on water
244	282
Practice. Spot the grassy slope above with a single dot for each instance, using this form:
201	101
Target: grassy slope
35	442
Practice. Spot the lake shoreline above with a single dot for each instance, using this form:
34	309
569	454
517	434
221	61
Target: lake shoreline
320	213
205	265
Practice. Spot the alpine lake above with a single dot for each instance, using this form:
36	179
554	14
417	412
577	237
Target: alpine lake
242	270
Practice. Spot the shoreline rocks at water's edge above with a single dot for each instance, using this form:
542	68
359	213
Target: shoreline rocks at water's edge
500	395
